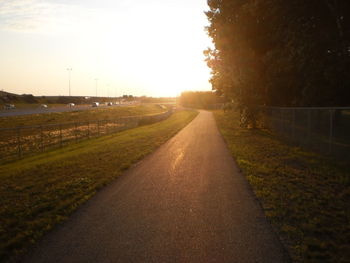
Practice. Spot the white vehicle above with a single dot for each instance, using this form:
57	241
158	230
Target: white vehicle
9	106
44	106
95	104
71	104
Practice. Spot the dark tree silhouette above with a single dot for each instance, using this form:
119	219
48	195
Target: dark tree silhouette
280	53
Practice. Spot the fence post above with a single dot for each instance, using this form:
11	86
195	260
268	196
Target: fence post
281	122
330	130
88	131
76	131
309	125
61	135
293	123
266	118
19	148
41	138
98	128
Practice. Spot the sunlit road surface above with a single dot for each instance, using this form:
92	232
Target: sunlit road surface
19	112
187	202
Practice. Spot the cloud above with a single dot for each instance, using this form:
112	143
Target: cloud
43	16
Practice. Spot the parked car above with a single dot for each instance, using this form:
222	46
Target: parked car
95	104
43	106
9	106
71	104
109	104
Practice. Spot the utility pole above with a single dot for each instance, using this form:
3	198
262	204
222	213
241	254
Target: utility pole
69	72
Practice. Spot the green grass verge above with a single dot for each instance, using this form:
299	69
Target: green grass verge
41	191
106	113
306	196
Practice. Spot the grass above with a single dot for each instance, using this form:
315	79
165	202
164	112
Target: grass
305	195
41	191
80	116
15	142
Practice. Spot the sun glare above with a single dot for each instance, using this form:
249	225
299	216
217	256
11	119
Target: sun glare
142	49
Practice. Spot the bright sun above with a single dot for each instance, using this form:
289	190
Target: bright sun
164	58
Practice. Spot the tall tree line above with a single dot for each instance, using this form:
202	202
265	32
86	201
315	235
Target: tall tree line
280	52
200	99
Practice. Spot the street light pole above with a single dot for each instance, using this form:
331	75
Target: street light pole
107	86
69	71
96	86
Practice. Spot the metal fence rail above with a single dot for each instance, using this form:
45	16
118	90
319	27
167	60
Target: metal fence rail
322	129
25	140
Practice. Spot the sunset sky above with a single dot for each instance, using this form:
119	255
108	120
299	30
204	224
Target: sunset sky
137	47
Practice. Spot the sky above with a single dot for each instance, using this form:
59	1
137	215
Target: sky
138	47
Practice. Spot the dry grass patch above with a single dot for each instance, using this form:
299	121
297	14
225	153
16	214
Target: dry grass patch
105	113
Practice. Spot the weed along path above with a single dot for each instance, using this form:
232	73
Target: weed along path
187	202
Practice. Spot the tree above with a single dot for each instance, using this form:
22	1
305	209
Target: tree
199	99
280	53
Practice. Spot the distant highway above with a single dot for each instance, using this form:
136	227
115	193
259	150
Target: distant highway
39	110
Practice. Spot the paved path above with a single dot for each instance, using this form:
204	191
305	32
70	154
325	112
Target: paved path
187	202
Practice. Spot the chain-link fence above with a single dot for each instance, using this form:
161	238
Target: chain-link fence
322	129
25	140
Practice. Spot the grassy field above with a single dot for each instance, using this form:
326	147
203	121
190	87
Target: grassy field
41	132
305	196
41	191
85	115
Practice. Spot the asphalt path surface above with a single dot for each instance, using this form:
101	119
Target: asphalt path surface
187	202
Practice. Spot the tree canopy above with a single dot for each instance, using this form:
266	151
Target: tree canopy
200	99
280	53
